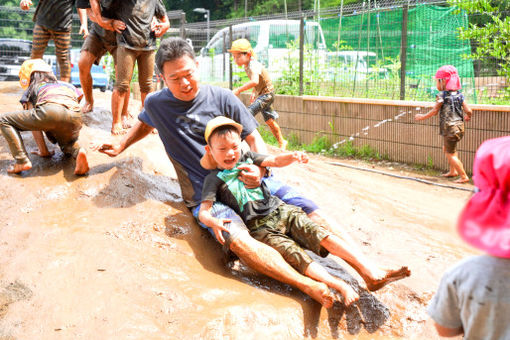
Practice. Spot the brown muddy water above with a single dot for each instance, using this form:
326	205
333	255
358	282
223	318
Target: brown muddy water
116	255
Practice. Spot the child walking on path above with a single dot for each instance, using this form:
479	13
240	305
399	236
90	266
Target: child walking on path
453	111
473	297
262	96
51	106
284	227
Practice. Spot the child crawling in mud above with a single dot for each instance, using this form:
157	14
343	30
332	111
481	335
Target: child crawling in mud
473	297
284	227
50	106
453	111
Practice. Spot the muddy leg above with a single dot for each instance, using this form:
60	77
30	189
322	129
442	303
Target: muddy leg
277	133
375	277
317	272
268	261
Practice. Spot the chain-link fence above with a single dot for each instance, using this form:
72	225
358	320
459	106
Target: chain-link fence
353	51
356	50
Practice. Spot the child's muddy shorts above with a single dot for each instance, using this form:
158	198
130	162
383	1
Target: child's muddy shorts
60	125
453	134
236	227
264	104
288	230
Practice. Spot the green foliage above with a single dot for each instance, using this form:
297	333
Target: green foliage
15	23
491	38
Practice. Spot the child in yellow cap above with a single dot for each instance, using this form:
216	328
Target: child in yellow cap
51	107
262	96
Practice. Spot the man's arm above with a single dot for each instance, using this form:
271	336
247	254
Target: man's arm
84	29
136	133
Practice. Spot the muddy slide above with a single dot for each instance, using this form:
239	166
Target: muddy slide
116	254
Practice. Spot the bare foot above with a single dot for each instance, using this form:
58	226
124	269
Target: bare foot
17	168
118	130
321	293
88	107
125	122
391	275
348	294
450	174
461	180
82	165
283	145
43	154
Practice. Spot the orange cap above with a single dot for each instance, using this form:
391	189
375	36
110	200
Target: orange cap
242	45
28	67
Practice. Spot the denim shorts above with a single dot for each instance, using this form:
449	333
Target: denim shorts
264	104
236	228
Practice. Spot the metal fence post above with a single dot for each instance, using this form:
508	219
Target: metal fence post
223	78
230	71
403	53
182	32
301	48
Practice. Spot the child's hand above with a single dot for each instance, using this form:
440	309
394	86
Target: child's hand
218	227
419	116
467	118
300	157
236	92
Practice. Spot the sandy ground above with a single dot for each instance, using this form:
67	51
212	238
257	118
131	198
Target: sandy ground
116	254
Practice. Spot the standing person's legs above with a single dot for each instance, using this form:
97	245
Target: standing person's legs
145	72
263	258
450	151
91	51
40	38
62	42
126	59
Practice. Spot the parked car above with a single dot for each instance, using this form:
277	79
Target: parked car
99	76
13	52
270	40
350	65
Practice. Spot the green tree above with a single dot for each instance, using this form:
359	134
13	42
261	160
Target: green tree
490	32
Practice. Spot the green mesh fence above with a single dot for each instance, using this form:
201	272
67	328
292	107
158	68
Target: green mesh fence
431	42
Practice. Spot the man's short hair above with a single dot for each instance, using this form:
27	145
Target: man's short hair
171	49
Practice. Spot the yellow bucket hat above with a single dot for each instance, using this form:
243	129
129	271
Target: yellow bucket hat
207	161
242	45
30	66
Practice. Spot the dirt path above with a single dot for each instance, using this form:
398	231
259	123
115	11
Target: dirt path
116	255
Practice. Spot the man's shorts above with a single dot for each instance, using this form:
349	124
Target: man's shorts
264	104
453	134
290	231
236	227
98	47
289	195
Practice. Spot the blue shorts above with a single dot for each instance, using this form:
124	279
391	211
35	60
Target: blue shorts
289	195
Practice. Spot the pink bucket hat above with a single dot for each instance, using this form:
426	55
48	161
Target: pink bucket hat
485	221
451	76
